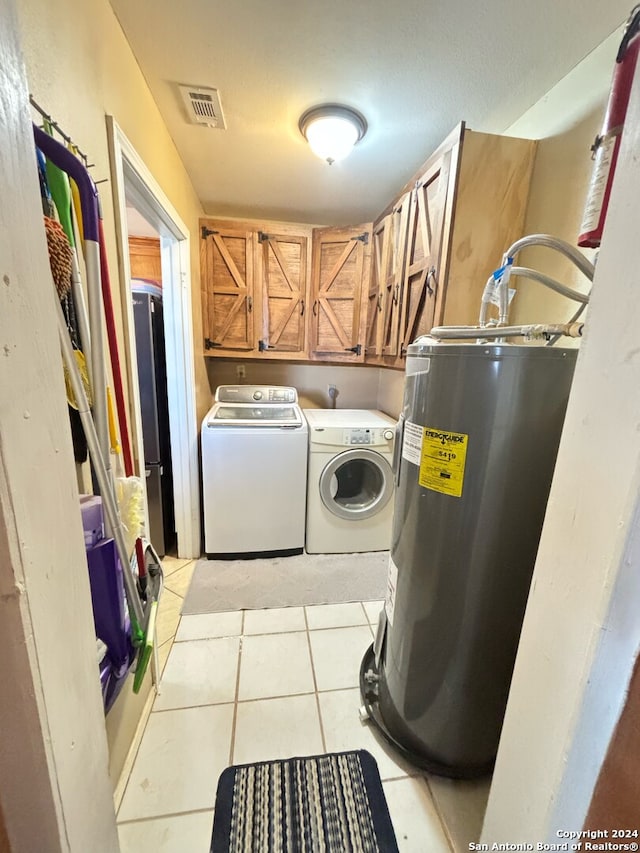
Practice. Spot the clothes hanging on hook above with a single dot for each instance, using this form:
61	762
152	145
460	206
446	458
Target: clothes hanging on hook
61	259
61	192
48	207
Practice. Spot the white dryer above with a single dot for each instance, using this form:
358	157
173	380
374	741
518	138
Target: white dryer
254	472
350	481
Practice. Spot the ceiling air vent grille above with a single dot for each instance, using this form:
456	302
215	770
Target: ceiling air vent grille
203	106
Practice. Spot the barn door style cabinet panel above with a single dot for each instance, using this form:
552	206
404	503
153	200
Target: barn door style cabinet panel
282	275
255	288
463	208
385	289
226	265
341	259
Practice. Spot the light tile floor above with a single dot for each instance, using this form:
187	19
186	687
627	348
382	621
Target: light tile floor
263	684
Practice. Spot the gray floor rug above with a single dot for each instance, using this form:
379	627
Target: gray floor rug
286	581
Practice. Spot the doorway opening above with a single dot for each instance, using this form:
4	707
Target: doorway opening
138	198
145	260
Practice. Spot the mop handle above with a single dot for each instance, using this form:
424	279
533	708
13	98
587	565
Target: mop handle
109	501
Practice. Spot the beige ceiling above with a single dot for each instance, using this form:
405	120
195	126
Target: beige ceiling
414	68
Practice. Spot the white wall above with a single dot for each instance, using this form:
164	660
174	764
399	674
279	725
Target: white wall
581	632
55	793
390	392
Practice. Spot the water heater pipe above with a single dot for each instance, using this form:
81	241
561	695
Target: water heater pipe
530	331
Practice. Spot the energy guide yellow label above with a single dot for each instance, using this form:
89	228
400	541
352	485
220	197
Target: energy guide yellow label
442	461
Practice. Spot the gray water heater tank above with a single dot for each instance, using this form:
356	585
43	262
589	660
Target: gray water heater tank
476	449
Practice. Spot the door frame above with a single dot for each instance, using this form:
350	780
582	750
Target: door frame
132	178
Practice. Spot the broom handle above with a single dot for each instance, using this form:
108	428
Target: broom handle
116	370
108	497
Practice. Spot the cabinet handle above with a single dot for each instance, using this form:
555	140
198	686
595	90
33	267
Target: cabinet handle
431	274
249	303
395	294
379	302
302	307
315	308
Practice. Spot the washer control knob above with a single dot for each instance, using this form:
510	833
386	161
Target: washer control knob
257	395
388	434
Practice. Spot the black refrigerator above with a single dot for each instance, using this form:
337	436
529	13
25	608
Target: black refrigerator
152	379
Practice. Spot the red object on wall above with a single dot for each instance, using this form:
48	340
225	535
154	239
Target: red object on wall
607	144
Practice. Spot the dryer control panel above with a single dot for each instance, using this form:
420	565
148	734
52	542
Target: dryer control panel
366	437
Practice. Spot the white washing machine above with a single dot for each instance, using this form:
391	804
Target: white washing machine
350	481
254	472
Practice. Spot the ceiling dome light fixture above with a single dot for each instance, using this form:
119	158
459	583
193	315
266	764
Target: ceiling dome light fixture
332	130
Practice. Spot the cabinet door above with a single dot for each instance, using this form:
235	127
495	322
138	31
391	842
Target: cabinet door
424	250
226	268
379	250
283	279
393	275
340	270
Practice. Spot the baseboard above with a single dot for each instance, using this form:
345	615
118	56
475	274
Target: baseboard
119	790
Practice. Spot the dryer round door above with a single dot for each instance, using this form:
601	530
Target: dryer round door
356	484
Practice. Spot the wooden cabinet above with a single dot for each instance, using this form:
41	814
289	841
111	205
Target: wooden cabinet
255	288
282	274
226	269
144	258
385	289
364	293
394	271
340	275
423	268
373	322
454	219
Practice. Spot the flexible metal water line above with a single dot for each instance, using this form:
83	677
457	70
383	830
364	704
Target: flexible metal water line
500	330
534	275
549	241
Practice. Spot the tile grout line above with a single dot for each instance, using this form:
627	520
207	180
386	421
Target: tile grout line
232	744
162	816
175	569
436	807
315	683
249	701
